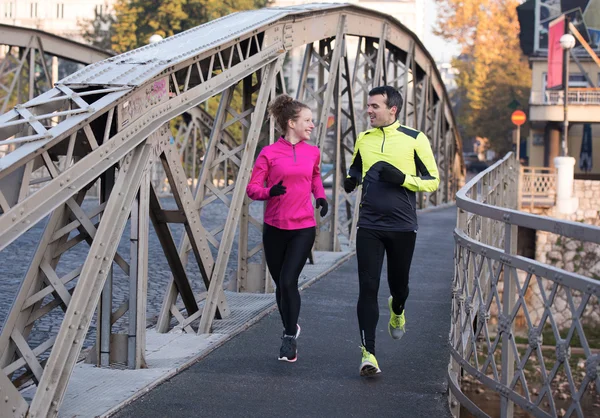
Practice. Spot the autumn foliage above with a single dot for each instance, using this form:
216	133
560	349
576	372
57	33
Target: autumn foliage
495	77
138	20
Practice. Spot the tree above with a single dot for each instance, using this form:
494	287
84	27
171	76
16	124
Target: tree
125	27
138	20
493	70
99	30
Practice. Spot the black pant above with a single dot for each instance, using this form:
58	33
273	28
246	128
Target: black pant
370	247
286	252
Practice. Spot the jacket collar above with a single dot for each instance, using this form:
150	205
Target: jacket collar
284	141
390	127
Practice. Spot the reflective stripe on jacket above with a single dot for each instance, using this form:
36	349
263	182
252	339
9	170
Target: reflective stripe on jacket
388	206
298	166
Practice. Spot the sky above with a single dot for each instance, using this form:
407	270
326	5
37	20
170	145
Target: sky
440	49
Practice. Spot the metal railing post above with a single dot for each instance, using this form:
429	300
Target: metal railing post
505	325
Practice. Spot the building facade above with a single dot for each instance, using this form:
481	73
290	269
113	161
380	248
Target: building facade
60	17
546	116
547	106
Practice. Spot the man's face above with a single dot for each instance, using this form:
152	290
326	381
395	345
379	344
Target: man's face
379	113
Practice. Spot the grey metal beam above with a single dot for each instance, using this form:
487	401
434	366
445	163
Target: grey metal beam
22	311
138	277
378	78
53	44
210	307
103	332
181	282
79	313
203	188
196	233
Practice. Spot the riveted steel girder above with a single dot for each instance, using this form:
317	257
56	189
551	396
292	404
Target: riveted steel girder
29	66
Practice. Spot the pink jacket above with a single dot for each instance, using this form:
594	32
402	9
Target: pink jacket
298	166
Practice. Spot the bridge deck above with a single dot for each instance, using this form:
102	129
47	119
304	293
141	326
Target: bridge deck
243	378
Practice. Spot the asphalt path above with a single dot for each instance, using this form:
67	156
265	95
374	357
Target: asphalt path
244	379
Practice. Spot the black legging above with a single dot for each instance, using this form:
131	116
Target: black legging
370	247
286	252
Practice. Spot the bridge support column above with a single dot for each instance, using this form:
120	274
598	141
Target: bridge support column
552	143
565	202
138	277
103	331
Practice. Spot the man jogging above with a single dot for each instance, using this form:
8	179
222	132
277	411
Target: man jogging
392	162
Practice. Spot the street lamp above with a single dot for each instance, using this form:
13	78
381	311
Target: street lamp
567	42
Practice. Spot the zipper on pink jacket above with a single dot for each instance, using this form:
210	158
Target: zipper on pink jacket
294	151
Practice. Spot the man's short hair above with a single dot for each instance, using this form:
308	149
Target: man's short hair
392	97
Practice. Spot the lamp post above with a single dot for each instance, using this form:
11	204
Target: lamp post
155	38
567	41
565	202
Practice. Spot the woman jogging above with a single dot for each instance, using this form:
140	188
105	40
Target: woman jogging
285	174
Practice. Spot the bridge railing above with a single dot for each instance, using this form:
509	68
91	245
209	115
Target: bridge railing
521	329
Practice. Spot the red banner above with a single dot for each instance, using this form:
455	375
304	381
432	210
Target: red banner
556	29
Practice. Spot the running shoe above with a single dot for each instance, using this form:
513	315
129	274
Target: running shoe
397	322
287	352
369	366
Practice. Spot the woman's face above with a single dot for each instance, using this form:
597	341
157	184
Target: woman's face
303	125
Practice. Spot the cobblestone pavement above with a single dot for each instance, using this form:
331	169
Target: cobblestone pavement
17	257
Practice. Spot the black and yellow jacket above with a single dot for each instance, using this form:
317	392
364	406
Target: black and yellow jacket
388	206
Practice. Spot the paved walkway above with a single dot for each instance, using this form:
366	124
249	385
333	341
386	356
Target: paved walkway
243	377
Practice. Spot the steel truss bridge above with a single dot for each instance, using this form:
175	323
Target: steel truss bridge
185	116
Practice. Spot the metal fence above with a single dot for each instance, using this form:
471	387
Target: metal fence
521	354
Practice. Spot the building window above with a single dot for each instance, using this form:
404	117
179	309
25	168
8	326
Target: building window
33	10
575	80
60	10
538	139
8	10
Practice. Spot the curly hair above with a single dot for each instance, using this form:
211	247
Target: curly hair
284	108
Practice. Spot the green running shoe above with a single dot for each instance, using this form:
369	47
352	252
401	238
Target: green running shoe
397	322
369	366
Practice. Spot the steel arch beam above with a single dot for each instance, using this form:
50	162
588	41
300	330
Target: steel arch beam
53	45
24	67
114	113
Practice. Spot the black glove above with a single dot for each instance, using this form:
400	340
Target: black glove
324	206
277	190
349	184
392	175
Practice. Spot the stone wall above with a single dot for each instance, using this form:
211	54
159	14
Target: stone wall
571	255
